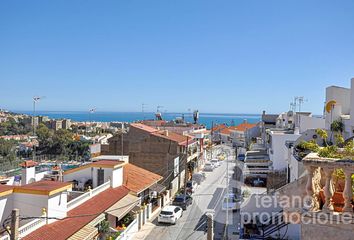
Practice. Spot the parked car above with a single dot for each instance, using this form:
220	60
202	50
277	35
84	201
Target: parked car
208	166
170	214
241	157
198	177
258	182
182	201
191	186
230	202
215	162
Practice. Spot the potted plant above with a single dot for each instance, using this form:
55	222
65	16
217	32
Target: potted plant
335	150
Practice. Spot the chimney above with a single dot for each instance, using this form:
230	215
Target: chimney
166	133
244	120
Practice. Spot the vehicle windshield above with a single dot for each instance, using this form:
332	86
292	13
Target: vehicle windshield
231	200
179	199
166	213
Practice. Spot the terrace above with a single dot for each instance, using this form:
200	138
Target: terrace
336	196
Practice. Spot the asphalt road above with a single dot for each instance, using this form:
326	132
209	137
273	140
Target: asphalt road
208	197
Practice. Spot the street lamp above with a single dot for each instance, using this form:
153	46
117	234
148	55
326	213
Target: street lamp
35	100
228	154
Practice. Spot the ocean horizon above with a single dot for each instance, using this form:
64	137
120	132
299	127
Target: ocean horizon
204	118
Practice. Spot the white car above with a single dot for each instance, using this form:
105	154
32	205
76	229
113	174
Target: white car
170	214
192	186
215	162
230	202
208	166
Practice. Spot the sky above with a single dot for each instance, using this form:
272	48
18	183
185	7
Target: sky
237	56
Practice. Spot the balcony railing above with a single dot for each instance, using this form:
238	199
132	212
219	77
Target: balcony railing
31	226
27	228
313	163
86	196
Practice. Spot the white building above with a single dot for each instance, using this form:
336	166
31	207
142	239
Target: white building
343	109
89	194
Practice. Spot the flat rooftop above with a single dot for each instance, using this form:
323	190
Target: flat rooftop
109	163
5	190
43	187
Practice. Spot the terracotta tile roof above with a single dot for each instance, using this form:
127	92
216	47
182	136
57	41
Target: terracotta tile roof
180	139
89	210
225	131
243	126
43	187
108	163
5	190
143	127
29	163
154	123
138	179
219	127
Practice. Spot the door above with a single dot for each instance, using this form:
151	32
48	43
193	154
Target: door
100	176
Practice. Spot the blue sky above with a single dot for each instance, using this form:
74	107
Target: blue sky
215	56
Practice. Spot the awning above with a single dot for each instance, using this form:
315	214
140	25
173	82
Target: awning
123	206
159	188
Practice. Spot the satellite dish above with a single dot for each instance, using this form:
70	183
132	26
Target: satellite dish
330	105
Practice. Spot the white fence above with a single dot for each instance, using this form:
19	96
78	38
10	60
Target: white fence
129	231
86	196
27	228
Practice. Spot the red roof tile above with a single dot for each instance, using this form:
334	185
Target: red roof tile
29	163
63	229
143	127
243	126
180	139
219	127
138	179
225	131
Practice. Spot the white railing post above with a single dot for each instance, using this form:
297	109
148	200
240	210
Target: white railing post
310	199
328	190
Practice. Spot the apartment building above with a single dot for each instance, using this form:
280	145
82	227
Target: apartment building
163	152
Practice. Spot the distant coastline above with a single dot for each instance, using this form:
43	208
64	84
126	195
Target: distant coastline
205	118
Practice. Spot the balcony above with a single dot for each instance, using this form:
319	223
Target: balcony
326	200
88	195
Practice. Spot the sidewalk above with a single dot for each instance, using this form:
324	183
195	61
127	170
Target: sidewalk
147	228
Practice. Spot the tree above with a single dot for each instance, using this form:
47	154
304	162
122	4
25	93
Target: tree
61	141
337	126
45	138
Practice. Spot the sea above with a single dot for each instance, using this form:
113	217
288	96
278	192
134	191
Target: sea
206	119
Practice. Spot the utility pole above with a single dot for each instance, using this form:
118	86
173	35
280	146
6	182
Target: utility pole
212	137
15	222
35	100
227	196
210	226
122	132
186	169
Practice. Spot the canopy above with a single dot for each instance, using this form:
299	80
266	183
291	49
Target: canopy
123	206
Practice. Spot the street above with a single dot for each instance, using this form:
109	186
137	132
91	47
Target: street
207	198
